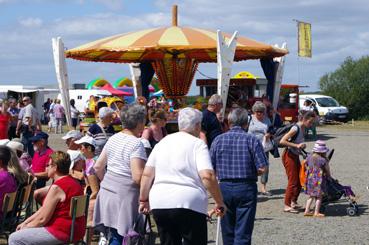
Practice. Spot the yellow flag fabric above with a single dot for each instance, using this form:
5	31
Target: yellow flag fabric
304	32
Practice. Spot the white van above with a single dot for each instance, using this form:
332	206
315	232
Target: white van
327	106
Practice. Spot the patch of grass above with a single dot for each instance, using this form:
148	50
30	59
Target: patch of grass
351	125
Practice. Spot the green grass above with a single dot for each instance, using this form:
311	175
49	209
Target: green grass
351	125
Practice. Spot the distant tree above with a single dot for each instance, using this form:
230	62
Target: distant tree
349	84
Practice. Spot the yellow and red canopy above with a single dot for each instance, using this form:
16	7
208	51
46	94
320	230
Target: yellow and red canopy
166	42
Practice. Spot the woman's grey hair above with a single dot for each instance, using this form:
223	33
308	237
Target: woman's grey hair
133	114
215	99
258	106
238	117
188	119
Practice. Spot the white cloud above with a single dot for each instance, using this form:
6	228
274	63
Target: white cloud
31	22
339	30
111	4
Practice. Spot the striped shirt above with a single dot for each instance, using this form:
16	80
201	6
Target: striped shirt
237	155
99	136
120	149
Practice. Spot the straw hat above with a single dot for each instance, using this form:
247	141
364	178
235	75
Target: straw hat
320	147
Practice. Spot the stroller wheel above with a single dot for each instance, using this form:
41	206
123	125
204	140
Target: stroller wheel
351	211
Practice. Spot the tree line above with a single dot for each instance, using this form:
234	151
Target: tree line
349	84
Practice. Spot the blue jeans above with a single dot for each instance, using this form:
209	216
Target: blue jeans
238	222
115	238
26	135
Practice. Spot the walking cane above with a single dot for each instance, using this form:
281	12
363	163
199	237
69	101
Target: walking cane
218	227
218	232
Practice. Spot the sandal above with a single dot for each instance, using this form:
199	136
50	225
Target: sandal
296	206
291	210
319	215
266	193
309	214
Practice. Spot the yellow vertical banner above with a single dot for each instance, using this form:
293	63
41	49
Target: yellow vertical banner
304	39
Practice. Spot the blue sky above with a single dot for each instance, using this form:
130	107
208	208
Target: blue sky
339	29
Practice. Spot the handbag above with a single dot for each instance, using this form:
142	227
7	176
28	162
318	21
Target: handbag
141	232
267	144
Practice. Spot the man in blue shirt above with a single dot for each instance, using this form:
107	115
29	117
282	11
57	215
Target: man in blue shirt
238	158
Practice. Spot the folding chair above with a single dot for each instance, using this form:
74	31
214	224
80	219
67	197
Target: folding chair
78	208
24	202
7	219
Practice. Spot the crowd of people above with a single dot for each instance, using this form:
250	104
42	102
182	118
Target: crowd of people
143	169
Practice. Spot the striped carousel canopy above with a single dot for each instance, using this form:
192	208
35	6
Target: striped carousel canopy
166	42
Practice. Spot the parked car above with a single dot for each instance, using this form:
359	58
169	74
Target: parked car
329	109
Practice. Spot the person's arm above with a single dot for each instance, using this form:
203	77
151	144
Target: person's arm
284	141
210	182
146	183
40	194
93	182
146	134
42	175
45	213
100	164
137	168
260	159
203	136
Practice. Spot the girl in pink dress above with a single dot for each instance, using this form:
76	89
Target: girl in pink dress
317	172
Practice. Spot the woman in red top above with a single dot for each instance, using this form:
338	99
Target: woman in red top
4	120
51	224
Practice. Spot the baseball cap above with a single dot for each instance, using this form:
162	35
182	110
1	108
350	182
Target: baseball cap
75	156
39	136
72	134
86	139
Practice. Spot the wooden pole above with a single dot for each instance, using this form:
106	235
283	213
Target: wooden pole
174	15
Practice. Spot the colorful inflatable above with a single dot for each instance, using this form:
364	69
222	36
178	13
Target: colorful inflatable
97	83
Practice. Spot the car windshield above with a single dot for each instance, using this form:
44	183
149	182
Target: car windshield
327	102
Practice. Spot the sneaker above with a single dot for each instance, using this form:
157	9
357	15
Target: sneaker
102	240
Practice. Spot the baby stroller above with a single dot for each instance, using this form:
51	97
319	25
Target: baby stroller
335	191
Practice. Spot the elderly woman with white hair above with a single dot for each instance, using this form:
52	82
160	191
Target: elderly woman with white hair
174	183
260	126
102	130
124	158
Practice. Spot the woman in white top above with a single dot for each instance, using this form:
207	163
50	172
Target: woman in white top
124	157
74	113
259	126
181	169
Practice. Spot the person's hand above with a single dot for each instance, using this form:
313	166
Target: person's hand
17	133
144	207
301	146
21	226
267	136
261	171
219	210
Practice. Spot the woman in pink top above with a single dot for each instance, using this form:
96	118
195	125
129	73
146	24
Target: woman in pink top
51	224
4	120
7	182
59	116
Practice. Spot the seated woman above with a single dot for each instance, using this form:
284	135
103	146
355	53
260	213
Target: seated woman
51	224
7	181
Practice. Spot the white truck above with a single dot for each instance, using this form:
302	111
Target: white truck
329	109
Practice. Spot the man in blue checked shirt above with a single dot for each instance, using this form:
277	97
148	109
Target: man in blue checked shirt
238	158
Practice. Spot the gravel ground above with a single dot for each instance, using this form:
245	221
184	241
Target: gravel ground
350	166
272	226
